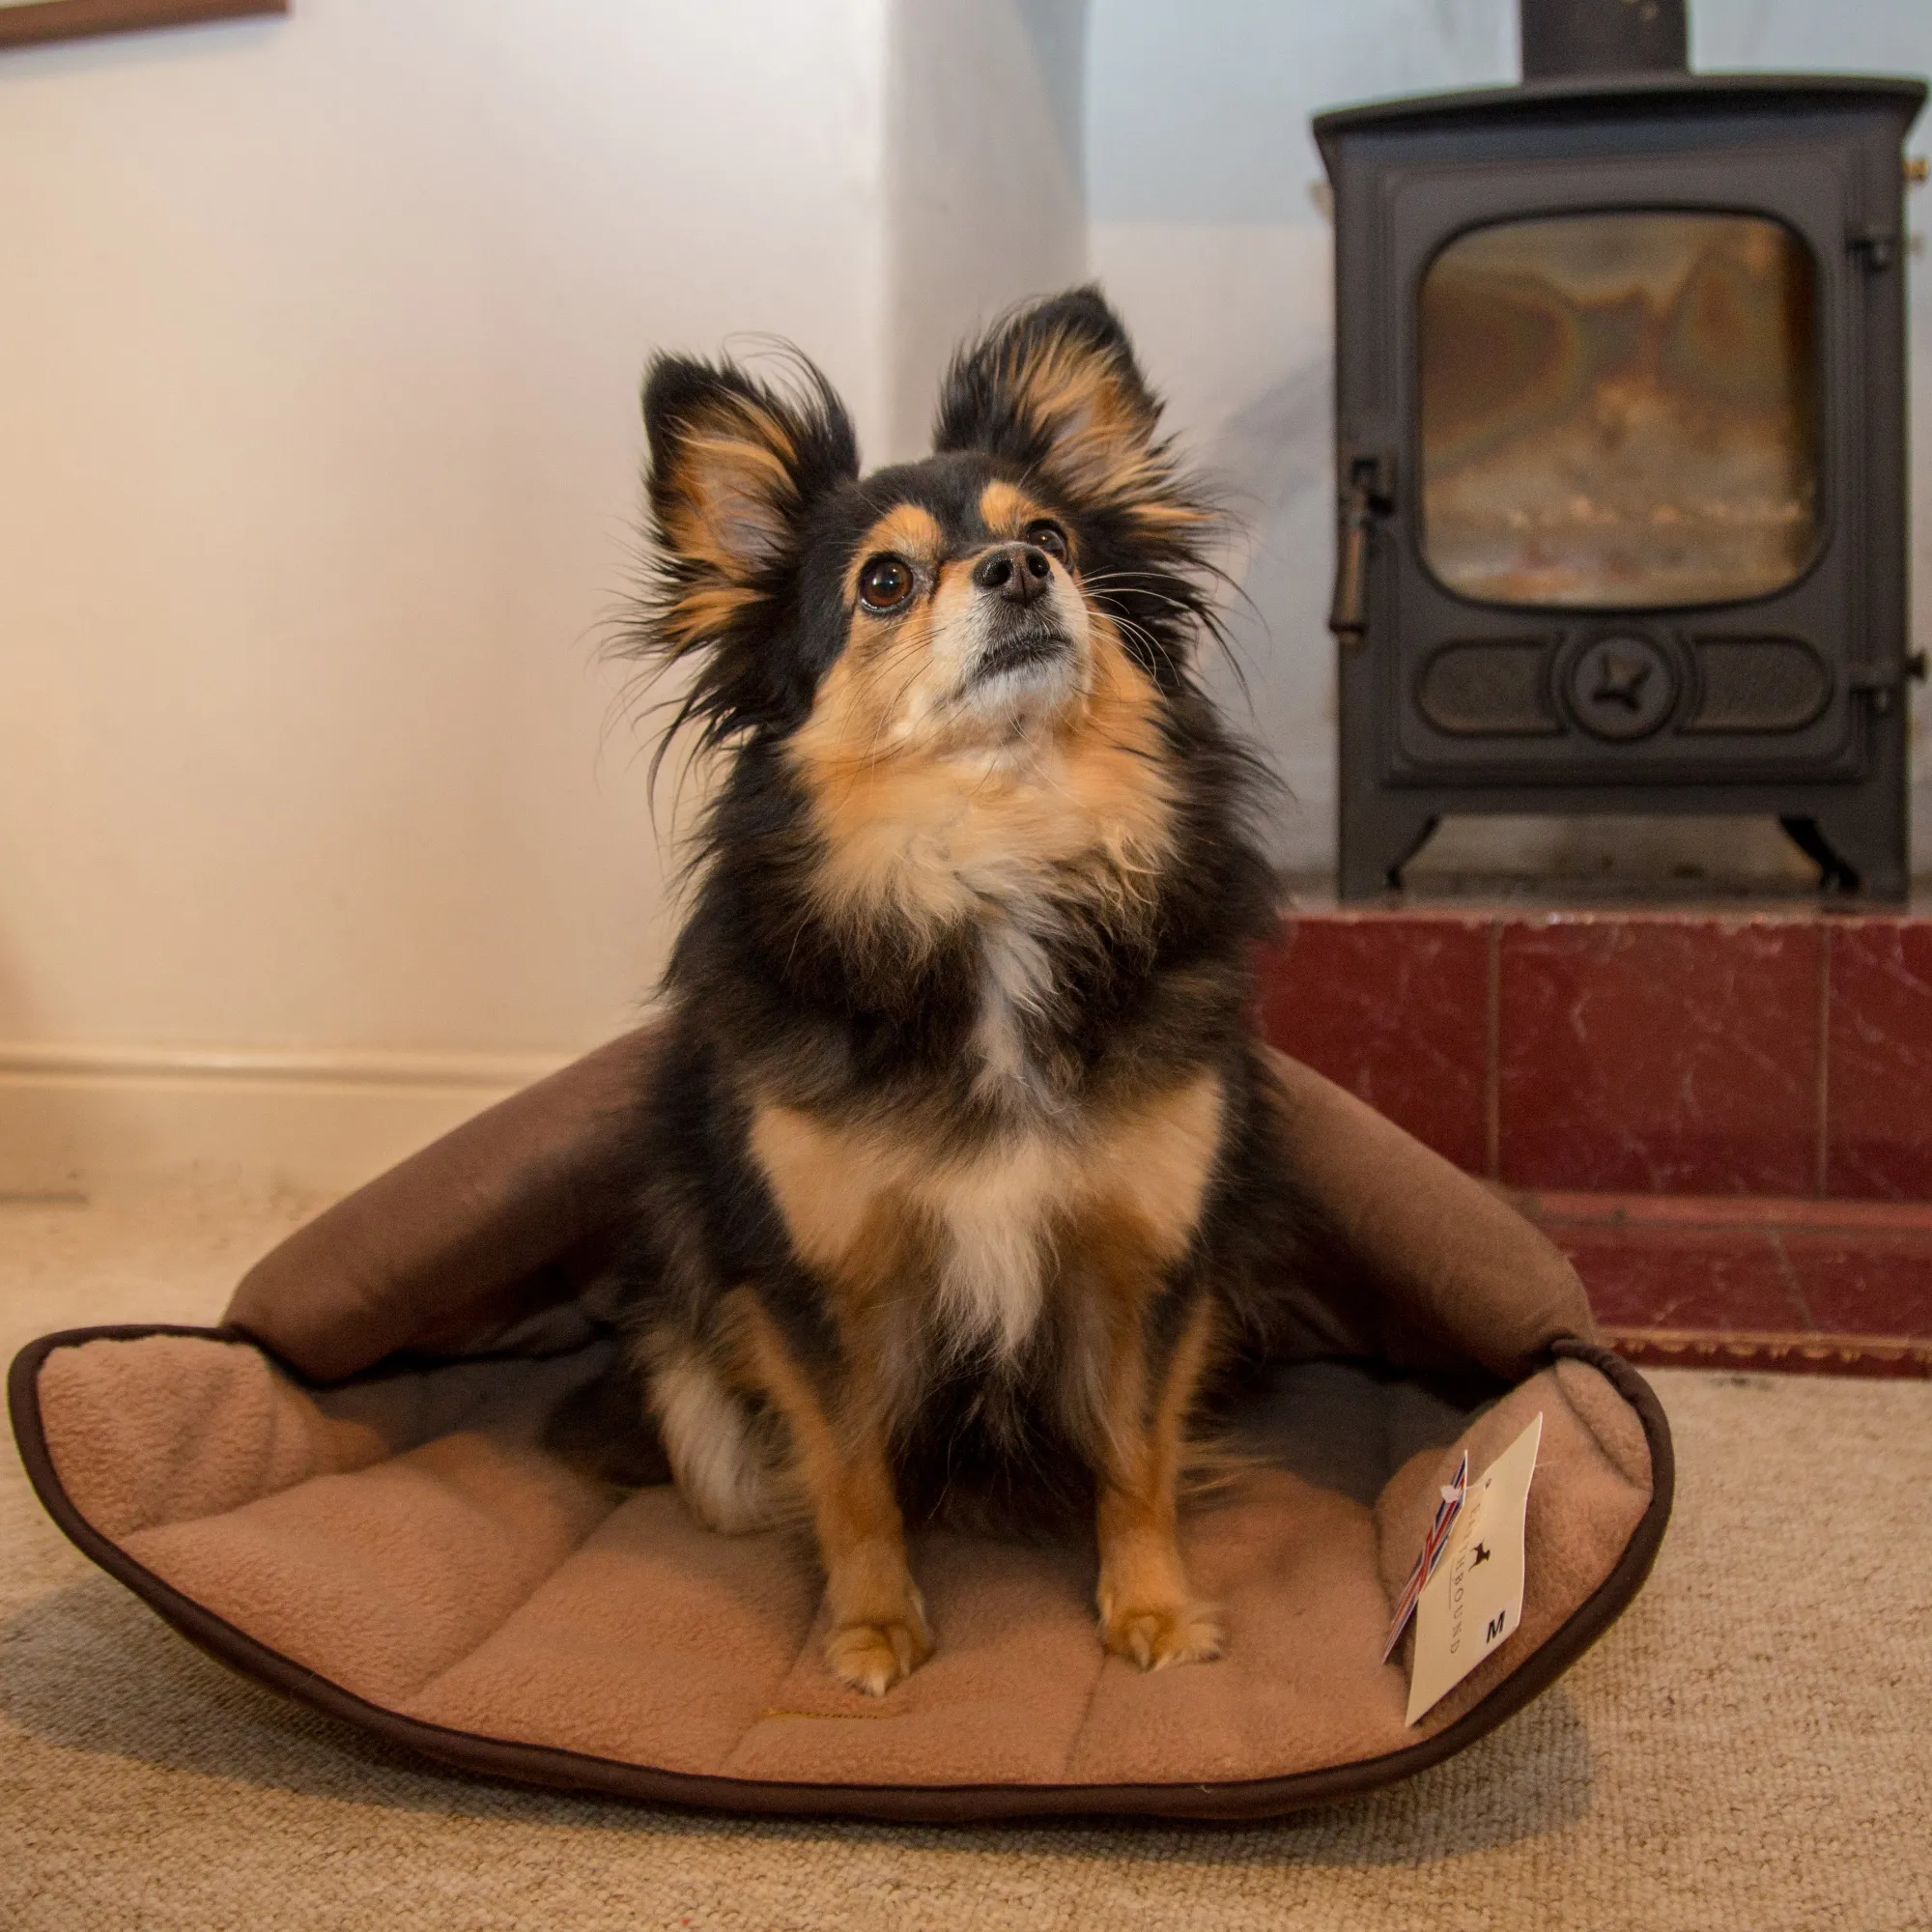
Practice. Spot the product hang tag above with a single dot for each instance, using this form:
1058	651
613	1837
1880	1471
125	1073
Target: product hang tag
1434	1546
1473	1601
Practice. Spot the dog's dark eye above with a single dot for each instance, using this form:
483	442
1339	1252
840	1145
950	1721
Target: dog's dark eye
885	581
1049	536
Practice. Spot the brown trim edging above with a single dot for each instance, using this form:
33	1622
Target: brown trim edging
547	1765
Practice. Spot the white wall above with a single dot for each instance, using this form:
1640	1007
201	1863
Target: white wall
984	201
320	819
1199	170
318	477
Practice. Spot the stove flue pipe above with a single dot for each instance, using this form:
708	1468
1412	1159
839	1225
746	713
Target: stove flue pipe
1569	39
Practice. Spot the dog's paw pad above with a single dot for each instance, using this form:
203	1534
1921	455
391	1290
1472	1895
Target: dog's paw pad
874	1656
1154	1637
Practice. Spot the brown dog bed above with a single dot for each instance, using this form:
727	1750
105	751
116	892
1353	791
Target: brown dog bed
384	1489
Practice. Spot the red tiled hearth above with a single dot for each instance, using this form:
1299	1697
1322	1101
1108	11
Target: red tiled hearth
1879	1059
1725	1119
1396	1009
1672	1276
1659	1055
1863	1280
1817	1285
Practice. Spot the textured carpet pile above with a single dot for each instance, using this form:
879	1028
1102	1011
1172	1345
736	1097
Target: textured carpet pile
1749	1748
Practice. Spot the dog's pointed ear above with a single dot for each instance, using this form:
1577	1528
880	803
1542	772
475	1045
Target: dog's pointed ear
735	467
1055	388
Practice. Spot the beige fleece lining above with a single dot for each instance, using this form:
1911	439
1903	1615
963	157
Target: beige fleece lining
474	1582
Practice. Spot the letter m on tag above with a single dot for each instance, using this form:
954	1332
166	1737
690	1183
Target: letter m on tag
1494	1628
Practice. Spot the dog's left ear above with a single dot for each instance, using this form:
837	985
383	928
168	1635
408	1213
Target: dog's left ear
1056	389
735	467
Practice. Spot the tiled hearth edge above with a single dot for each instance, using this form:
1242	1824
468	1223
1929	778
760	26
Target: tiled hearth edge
1873	1356
1724	1117
1800	1286
1637	1052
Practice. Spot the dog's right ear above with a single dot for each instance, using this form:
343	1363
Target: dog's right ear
734	467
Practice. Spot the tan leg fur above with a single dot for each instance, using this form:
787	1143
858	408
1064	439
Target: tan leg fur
879	1631
1147	1612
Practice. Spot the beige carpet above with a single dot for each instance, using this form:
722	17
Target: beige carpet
1748	1749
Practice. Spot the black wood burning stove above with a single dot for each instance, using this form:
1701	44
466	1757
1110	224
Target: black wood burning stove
1620	424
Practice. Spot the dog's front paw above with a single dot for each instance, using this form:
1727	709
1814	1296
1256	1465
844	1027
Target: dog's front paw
1154	1636
872	1656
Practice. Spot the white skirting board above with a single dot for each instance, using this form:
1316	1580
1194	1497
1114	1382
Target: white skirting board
78	1119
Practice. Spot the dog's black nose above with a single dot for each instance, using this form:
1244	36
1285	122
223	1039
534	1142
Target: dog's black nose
1019	572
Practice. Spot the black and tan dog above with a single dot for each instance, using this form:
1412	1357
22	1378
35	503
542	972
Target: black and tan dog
960	1184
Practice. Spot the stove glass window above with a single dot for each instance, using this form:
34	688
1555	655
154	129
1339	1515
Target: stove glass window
1620	410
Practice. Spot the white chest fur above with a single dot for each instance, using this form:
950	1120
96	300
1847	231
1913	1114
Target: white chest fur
1016	978
995	1209
994	1217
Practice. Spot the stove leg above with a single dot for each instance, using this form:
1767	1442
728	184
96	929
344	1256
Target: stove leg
1856	849
1380	835
1835	873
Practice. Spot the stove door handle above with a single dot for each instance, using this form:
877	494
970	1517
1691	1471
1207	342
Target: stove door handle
1366	498
1348	614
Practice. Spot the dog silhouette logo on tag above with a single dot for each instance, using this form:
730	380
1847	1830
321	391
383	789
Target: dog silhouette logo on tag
1473	1602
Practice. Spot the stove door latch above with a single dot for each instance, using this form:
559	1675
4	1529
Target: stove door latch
1370	494
1881	681
1875	247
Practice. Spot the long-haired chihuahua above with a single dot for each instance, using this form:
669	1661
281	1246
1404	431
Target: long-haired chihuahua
960	1184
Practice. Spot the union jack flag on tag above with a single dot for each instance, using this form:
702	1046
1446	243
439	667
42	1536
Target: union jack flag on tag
1433	1547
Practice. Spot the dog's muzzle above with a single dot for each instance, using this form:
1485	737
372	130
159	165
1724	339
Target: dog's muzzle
1033	647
